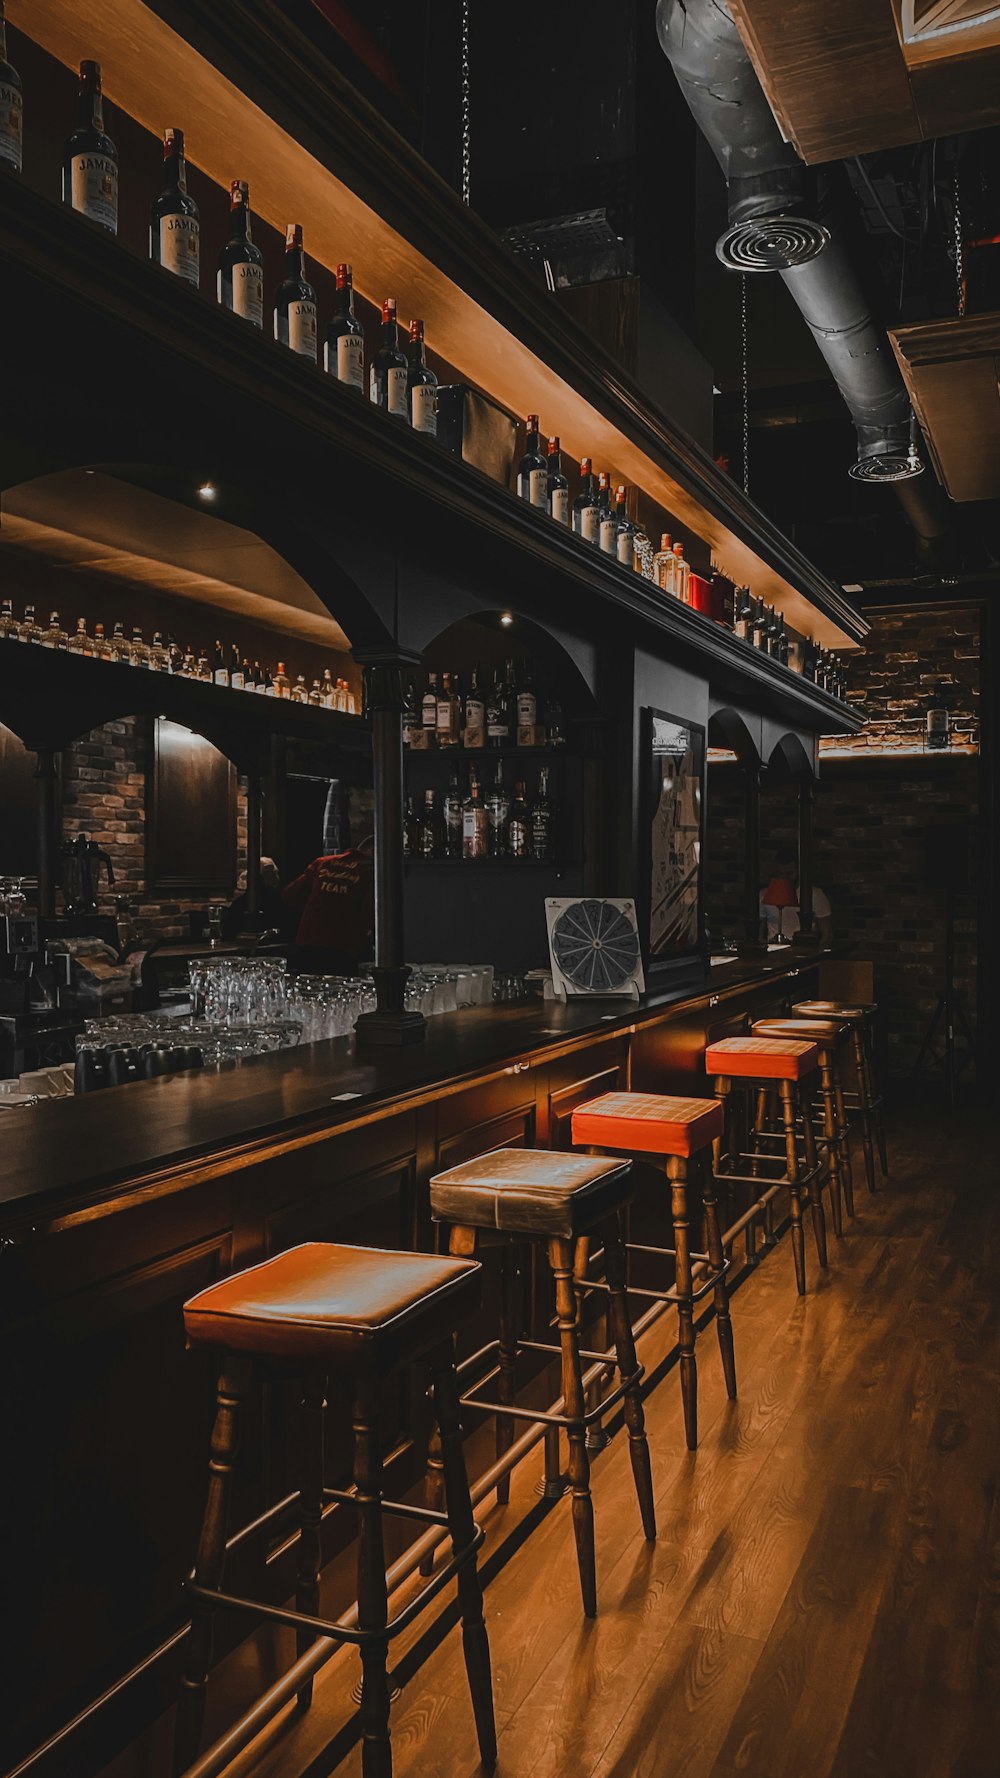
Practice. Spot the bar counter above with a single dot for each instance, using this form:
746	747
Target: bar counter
117	1206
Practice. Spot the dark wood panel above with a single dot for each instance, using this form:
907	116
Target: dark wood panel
19	803
191	815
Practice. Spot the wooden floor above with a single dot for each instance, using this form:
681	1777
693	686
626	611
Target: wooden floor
823	1600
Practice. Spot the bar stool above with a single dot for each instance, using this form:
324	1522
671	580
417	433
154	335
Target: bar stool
356	1313
554	1202
761	1064
830	1037
678	1130
865	1099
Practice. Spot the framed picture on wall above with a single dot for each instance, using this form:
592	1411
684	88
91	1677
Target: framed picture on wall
672	829
190	815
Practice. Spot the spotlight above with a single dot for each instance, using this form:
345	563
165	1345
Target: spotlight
207	491
506	619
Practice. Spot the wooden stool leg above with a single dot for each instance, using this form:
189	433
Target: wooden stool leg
461	1525
873	1098
461	1245
210	1561
816	1189
507	1355
861	1073
624	1343
717	1257
312	1415
794	1191
830	1142
677	1175
846	1170
373	1606
561	1261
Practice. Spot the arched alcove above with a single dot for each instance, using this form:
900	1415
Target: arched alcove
732	751
788	759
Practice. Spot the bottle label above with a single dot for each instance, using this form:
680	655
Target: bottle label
11	117
541	827
443	717
423	408
221	676
497	729
94	188
237	679
248	292
180	246
626	549
351	360
538	488
475	713
609	535
302	328
527	709
395	390
587	523
559	505
937	722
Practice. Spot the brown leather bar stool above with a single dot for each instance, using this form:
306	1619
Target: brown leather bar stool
555	1202
760	1064
358	1314
865	1099
830	1037
678	1130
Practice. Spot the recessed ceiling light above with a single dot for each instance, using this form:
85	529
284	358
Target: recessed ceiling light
506	619
207	491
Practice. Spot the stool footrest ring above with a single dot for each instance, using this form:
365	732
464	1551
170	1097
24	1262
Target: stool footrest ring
335	1630
539	1416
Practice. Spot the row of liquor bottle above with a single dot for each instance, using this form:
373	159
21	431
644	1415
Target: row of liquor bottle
599	514
763	628
227	667
507	712
472	825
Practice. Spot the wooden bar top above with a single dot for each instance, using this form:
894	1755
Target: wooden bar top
67	1153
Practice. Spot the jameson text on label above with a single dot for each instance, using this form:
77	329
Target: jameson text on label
424	405
538	487
11	105
94	188
248	293
180	246
302	328
560	505
396	390
351	360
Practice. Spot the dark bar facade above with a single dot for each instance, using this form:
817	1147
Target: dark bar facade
497	835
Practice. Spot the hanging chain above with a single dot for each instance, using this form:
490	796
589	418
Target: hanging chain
466	138
745	382
959	257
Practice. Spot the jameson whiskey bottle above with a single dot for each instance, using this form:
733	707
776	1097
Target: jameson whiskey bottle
240	278
558	486
90	158
533	469
453	817
295	299
542	820
344	347
422	384
11	106
390	371
174	226
607	524
497	810
586	512
519	825
475	822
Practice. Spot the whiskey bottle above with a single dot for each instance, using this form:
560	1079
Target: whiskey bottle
411	715
497	810
607	535
138	653
743	621
159	659
79	642
453	818
8	622
475	714
90	158
174	655
295	299
101	646
246	675
411	830
174	225
759	632
475	822
29	629
55	636
344	347
220	671
316	695
422	384
555	734
330	695
586	512
237	677
389	371
681	588
519	825
11	106
203	668
300	690
624	533
428	708
265	684
533	469
240	278
527	703
444	723
663	565
558	486
542	820
497	724
281	686
432	829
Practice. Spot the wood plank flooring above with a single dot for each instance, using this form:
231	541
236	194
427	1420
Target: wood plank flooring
823	1599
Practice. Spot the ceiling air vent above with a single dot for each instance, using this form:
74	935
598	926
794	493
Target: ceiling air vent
771	243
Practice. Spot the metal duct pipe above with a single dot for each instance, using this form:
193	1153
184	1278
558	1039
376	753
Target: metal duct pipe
765	177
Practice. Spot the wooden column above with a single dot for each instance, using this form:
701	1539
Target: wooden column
751	944
807	933
390	1023
45	772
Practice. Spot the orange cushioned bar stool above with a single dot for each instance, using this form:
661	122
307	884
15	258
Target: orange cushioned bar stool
678	1130
864	1099
555	1202
831	1036
356	1314
761	1064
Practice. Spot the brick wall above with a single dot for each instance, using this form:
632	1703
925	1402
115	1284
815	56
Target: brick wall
883	828
104	796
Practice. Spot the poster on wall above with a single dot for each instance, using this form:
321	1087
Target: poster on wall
673	753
